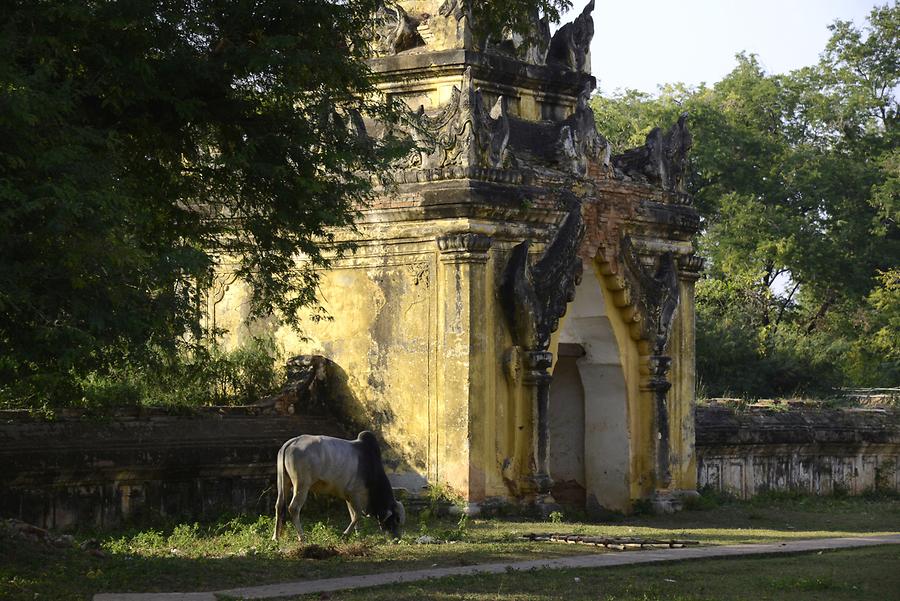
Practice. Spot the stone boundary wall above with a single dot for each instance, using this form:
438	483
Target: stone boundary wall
100	473
815	451
89	472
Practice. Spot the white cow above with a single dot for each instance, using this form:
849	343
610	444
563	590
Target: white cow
349	469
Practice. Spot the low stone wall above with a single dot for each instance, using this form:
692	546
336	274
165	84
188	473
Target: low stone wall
85	472
813	451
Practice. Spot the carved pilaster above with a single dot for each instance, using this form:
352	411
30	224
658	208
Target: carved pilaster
660	385
656	284
537	377
464	413
683	375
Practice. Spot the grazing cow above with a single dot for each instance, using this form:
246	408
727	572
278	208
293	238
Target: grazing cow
349	469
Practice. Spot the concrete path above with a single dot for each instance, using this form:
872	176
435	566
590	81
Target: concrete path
597	560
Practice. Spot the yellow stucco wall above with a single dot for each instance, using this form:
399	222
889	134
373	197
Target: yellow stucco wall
422	341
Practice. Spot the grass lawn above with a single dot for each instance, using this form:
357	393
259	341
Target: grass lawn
871	574
238	552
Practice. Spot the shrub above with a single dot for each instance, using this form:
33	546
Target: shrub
193	377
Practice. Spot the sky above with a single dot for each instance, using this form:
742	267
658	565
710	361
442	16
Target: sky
642	43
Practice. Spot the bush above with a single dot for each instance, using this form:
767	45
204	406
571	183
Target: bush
195	377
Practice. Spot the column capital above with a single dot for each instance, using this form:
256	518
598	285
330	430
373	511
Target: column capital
464	247
690	266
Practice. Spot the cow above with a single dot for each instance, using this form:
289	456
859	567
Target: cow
349	469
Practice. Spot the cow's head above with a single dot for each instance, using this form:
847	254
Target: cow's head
393	519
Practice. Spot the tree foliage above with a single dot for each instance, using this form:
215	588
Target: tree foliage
143	144
796	178
515	15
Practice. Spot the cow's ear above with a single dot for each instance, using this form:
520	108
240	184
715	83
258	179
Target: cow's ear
387	516
401	512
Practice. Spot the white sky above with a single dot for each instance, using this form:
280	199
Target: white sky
641	43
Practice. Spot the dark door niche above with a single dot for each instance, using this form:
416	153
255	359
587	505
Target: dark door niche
567	428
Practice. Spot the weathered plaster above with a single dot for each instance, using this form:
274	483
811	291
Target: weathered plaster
809	451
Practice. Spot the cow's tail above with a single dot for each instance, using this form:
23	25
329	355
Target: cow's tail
281	499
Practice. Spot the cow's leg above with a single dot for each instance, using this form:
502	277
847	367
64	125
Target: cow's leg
354	518
301	489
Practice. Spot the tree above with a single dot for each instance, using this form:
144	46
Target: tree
795	176
143	143
514	15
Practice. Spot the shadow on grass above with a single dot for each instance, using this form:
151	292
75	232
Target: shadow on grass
77	574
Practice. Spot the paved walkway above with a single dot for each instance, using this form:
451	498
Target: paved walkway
597	560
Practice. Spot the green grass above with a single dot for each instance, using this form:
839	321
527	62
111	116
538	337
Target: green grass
851	575
238	551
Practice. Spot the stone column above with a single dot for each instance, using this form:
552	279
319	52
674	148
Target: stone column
463	411
684	380
537	380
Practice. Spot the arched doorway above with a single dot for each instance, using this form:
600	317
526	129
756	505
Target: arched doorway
590	447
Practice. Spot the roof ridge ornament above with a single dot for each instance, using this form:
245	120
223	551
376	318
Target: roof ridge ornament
570	46
662	160
394	30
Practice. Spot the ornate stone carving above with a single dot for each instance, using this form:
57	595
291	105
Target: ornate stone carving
535	295
535	47
454	8
658	296
464	134
420	273
532	47
690	266
657	293
469	242
662	160
394	30
571	45
580	143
